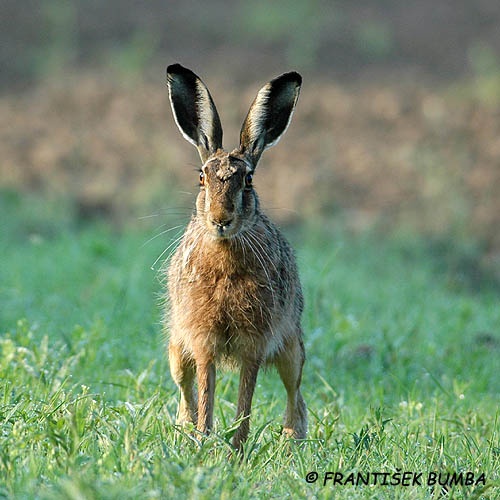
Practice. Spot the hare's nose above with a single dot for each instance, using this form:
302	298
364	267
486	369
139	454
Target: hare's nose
222	223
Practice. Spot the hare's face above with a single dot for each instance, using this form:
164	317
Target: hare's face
226	203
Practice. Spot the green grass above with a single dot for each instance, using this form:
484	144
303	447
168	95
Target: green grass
401	375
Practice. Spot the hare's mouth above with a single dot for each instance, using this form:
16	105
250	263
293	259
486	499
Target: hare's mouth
223	229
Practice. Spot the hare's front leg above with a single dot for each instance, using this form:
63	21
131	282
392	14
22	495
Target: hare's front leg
183	372
289	364
205	369
248	379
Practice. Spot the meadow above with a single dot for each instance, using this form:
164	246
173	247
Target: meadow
387	183
402	339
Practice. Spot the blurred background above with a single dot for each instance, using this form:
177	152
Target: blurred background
397	127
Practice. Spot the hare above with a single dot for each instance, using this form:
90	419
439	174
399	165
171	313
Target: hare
234	293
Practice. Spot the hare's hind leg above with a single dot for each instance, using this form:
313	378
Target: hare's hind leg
183	372
289	364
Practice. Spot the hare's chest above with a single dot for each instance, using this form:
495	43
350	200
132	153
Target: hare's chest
237	295
229	305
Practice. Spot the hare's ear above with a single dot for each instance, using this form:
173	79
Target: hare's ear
269	115
194	110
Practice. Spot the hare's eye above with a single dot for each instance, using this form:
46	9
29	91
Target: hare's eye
248	180
202	179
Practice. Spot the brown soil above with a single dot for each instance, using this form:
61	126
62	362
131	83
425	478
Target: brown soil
400	154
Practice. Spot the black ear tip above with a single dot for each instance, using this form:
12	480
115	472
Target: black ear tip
178	69
292	77
174	68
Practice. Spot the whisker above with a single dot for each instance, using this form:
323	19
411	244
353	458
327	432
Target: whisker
198	235
177	210
174	242
150	216
255	239
161	234
168	214
259	258
241	242
251	243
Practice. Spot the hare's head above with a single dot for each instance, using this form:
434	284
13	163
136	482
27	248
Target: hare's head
227	202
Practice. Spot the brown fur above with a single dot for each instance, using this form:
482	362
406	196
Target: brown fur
234	292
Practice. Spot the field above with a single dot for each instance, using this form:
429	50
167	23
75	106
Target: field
401	375
387	183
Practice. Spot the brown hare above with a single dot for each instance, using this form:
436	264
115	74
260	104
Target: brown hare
234	292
